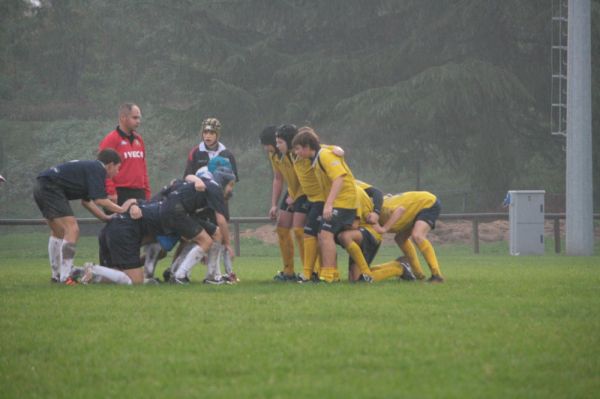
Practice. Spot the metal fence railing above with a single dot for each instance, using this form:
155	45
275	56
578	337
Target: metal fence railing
475	218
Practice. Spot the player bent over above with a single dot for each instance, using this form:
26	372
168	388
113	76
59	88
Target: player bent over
411	216
55	187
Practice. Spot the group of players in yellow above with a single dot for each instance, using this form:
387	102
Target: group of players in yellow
324	205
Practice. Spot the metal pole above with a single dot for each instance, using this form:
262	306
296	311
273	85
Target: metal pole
579	227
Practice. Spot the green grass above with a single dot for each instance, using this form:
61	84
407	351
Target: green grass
500	327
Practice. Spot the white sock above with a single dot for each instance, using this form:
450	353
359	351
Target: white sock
177	261
194	256
55	255
115	276
151	251
212	265
227	261
68	253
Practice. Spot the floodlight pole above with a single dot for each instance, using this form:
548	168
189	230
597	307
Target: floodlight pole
580	222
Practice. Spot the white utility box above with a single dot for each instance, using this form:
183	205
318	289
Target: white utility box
526	221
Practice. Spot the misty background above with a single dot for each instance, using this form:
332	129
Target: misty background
451	97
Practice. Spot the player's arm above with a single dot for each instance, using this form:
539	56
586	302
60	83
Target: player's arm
394	217
336	186
198	183
275	193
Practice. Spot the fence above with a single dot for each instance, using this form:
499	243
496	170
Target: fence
475	219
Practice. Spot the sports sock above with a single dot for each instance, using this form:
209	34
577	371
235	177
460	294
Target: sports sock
227	262
384	272
55	255
384	265
286	246
212	265
151	251
113	275
68	253
311	252
357	256
299	236
429	254
194	256
182	254
329	274
411	253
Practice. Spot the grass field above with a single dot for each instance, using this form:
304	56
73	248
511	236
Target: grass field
500	327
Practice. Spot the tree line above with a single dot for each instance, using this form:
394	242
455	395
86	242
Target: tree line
422	93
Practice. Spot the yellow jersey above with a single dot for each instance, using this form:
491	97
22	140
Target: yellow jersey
328	167
413	202
284	164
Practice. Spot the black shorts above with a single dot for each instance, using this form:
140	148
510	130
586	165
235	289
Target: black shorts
300	205
175	219
368	246
341	219
207	225
430	215
312	224
120	242
51	199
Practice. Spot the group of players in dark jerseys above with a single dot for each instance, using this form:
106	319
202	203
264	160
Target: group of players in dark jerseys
323	205
192	210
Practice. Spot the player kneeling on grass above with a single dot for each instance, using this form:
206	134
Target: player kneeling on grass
53	190
411	216
362	243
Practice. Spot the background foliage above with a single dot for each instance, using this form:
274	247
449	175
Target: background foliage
452	97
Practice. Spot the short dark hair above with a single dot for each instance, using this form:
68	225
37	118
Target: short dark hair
108	155
267	136
307	137
125	109
286	133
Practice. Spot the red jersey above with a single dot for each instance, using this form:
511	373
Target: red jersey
133	172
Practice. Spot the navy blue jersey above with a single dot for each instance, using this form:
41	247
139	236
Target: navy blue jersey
196	201
151	218
79	179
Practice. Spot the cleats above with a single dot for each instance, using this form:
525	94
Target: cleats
285	277
151	281
167	275
70	281
435	279
216	281
231	278
179	281
88	275
365	278
407	273
54	280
